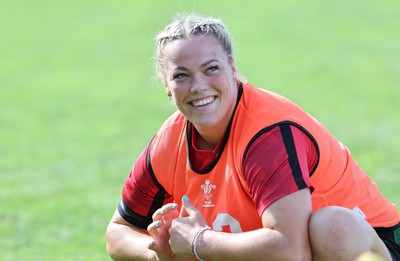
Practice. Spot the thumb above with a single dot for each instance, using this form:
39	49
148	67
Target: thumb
187	207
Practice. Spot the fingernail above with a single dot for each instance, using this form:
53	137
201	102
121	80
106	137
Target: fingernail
162	210
158	223
152	243
185	198
174	206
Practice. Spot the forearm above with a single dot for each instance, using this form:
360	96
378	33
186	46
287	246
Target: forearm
126	243
122	245
261	244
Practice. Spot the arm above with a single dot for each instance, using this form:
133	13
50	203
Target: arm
284	236
127	242
127	236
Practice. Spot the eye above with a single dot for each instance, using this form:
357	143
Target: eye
179	76
212	69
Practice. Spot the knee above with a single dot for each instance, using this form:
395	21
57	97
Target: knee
331	219
328	223
333	231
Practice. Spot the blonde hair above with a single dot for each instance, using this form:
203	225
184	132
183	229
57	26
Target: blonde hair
186	25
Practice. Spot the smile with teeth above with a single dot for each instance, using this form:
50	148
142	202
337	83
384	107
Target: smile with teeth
203	102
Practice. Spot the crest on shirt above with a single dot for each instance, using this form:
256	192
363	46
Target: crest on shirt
207	188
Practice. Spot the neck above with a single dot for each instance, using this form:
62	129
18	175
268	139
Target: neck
208	138
206	144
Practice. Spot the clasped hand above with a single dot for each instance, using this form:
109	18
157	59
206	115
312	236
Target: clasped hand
173	231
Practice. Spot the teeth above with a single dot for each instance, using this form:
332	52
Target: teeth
203	101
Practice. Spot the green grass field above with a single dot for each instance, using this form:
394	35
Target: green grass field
78	100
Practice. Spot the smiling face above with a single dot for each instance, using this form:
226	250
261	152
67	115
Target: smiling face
201	79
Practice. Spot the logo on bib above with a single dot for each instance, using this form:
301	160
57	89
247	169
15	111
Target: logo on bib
207	187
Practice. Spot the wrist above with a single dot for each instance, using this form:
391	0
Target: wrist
197	239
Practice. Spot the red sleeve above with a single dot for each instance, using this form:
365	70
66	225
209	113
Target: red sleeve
142	195
279	163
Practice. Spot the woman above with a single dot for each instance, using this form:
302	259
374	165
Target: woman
240	173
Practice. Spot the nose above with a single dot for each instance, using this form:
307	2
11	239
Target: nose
199	84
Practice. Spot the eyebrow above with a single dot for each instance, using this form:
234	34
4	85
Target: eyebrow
180	68
208	62
183	68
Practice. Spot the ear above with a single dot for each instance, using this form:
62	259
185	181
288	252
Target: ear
233	67
168	91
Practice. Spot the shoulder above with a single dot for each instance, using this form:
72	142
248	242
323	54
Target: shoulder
283	137
253	92
266	107
168	144
171	129
176	119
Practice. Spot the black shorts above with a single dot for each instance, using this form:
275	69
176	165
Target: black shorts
391	237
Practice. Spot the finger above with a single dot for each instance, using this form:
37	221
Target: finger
187	207
183	213
152	229
168	217
161	253
164	210
152	245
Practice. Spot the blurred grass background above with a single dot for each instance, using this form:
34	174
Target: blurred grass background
78	101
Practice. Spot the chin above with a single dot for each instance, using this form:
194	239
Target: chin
205	124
